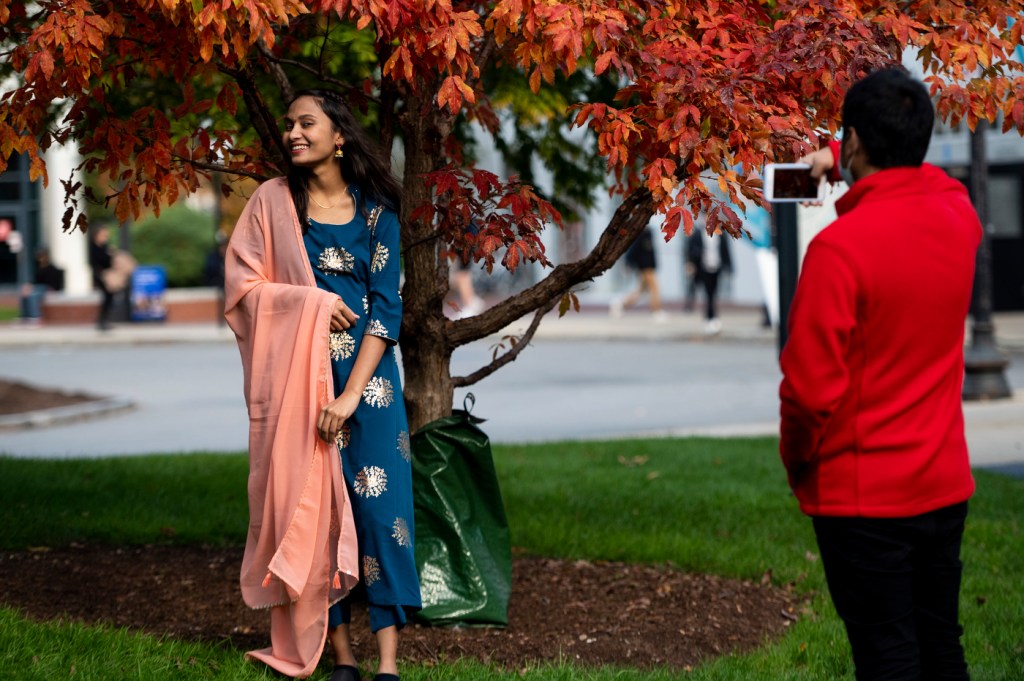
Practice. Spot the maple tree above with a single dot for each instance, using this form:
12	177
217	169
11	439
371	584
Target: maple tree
159	94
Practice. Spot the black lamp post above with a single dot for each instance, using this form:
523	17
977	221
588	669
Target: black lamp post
785	224
984	364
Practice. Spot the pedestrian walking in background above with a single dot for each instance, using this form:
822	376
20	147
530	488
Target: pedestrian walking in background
111	272
707	257
100	260
312	288
872	433
469	303
642	259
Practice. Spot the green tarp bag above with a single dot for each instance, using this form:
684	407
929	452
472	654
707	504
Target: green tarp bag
463	548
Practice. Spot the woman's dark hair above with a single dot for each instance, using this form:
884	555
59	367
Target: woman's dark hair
893	116
363	164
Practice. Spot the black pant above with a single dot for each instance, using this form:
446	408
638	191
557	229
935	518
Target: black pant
896	584
710	281
106	308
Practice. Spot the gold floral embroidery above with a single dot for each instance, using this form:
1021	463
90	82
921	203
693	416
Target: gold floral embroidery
376	328
400	532
366	304
380	258
342	345
372	481
379	392
344	436
335	261
371	570
404	449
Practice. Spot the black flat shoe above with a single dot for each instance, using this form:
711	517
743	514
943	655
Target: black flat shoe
344	672
386	677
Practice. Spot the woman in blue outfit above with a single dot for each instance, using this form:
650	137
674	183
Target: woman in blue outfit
347	201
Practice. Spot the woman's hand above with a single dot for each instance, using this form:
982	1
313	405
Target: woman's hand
342	317
334	414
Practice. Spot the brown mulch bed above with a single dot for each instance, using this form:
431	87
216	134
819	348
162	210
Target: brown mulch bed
17	397
588	613
583	612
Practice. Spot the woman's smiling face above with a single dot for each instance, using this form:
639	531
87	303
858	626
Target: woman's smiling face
309	135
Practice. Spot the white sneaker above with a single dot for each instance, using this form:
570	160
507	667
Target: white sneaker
615	307
659	316
471	309
713	327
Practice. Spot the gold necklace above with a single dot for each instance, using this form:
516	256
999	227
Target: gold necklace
310	195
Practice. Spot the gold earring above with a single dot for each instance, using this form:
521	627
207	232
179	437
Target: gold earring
339	153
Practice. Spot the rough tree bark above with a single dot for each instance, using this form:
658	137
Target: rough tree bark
426	352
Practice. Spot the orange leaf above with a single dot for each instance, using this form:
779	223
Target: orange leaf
206	46
449	95
46	63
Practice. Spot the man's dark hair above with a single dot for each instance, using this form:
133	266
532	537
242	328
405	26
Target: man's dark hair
893	116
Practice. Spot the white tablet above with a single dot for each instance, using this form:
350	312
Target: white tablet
792	182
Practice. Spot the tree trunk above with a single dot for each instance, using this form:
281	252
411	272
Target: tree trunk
428	385
426	350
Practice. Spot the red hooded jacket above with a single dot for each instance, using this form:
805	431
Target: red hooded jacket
872	421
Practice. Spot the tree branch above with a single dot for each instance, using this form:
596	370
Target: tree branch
388	106
276	62
262	120
283	84
220	168
510	356
483	57
436	234
629	220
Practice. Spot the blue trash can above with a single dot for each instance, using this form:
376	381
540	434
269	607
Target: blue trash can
149	289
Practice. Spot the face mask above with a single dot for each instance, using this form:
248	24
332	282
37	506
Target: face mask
846	171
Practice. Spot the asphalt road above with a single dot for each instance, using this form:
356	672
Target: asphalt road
188	395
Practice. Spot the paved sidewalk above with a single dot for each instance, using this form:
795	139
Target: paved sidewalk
995	429
14	334
591	324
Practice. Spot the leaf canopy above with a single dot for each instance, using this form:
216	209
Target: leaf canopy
158	93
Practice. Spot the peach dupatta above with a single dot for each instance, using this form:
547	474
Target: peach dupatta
301	553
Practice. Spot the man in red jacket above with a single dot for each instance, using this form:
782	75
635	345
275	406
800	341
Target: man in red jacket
872	432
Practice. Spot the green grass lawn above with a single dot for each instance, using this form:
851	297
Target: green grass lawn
707	505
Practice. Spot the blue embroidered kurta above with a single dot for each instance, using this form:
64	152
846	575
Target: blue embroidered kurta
362	265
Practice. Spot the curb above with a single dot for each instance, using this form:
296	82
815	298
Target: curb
44	418
13	335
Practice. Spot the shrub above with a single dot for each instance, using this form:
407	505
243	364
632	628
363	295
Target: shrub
180	240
